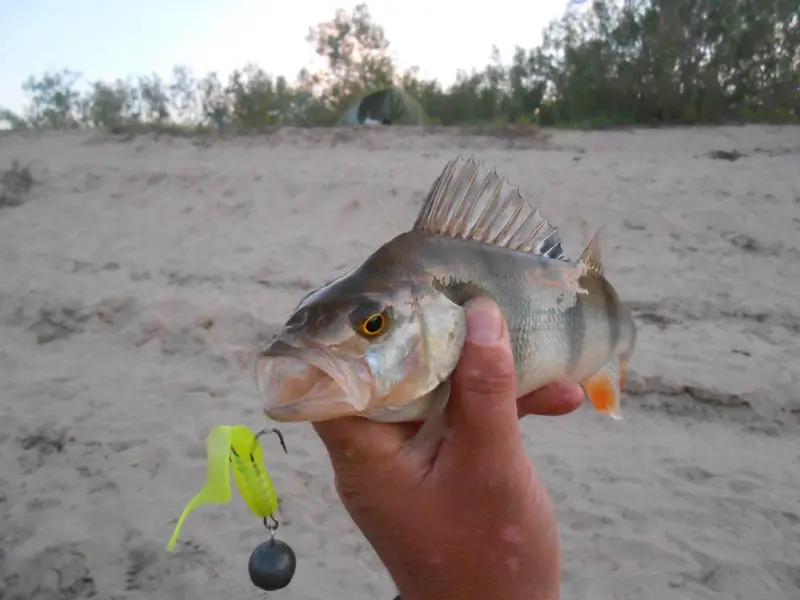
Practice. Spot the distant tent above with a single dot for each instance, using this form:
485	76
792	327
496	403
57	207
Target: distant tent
392	106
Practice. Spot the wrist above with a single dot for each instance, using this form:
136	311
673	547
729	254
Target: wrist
544	592
554	595
481	583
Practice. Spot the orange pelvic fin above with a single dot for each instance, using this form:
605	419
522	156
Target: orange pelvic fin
604	387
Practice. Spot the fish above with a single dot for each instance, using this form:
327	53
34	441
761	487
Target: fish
382	340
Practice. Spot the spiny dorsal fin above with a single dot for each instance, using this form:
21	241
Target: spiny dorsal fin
591	254
468	201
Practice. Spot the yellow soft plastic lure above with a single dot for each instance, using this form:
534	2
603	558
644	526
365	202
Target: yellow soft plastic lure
235	445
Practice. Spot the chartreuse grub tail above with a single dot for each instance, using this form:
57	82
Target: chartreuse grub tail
238	446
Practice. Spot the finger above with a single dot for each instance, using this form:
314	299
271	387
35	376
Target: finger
552	400
483	408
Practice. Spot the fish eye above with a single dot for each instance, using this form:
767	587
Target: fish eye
372	326
298	319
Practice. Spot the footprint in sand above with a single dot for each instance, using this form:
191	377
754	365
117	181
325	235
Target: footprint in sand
692	473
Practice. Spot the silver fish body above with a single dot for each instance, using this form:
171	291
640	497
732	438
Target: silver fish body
556	333
382	340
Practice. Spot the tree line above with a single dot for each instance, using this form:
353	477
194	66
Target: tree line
603	63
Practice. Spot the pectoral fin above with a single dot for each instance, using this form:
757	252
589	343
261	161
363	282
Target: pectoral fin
604	388
433	428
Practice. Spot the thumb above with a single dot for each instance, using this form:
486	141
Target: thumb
483	406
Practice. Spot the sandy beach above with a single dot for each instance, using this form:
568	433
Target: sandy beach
142	272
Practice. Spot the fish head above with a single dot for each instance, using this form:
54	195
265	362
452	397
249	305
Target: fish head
347	352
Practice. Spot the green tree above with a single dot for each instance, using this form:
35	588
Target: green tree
214	103
154	100
11	120
111	105
184	95
254	97
54	101
357	54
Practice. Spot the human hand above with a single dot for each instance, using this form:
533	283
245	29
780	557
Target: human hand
468	518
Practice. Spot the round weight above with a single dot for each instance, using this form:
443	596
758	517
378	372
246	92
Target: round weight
272	565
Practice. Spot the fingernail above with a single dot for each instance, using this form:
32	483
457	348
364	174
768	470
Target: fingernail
484	322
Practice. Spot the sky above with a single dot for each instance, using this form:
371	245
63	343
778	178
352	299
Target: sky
109	39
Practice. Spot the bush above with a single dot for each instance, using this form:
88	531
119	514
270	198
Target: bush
15	184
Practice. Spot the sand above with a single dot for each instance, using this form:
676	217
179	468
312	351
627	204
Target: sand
140	274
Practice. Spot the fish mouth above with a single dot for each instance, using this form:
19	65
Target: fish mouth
310	383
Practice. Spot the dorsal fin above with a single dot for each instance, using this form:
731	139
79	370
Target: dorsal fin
591	254
468	201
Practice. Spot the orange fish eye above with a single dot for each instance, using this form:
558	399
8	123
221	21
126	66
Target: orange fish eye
373	325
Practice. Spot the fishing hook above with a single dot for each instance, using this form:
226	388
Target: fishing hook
276	432
272	524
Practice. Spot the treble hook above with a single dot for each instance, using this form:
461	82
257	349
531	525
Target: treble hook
276	432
